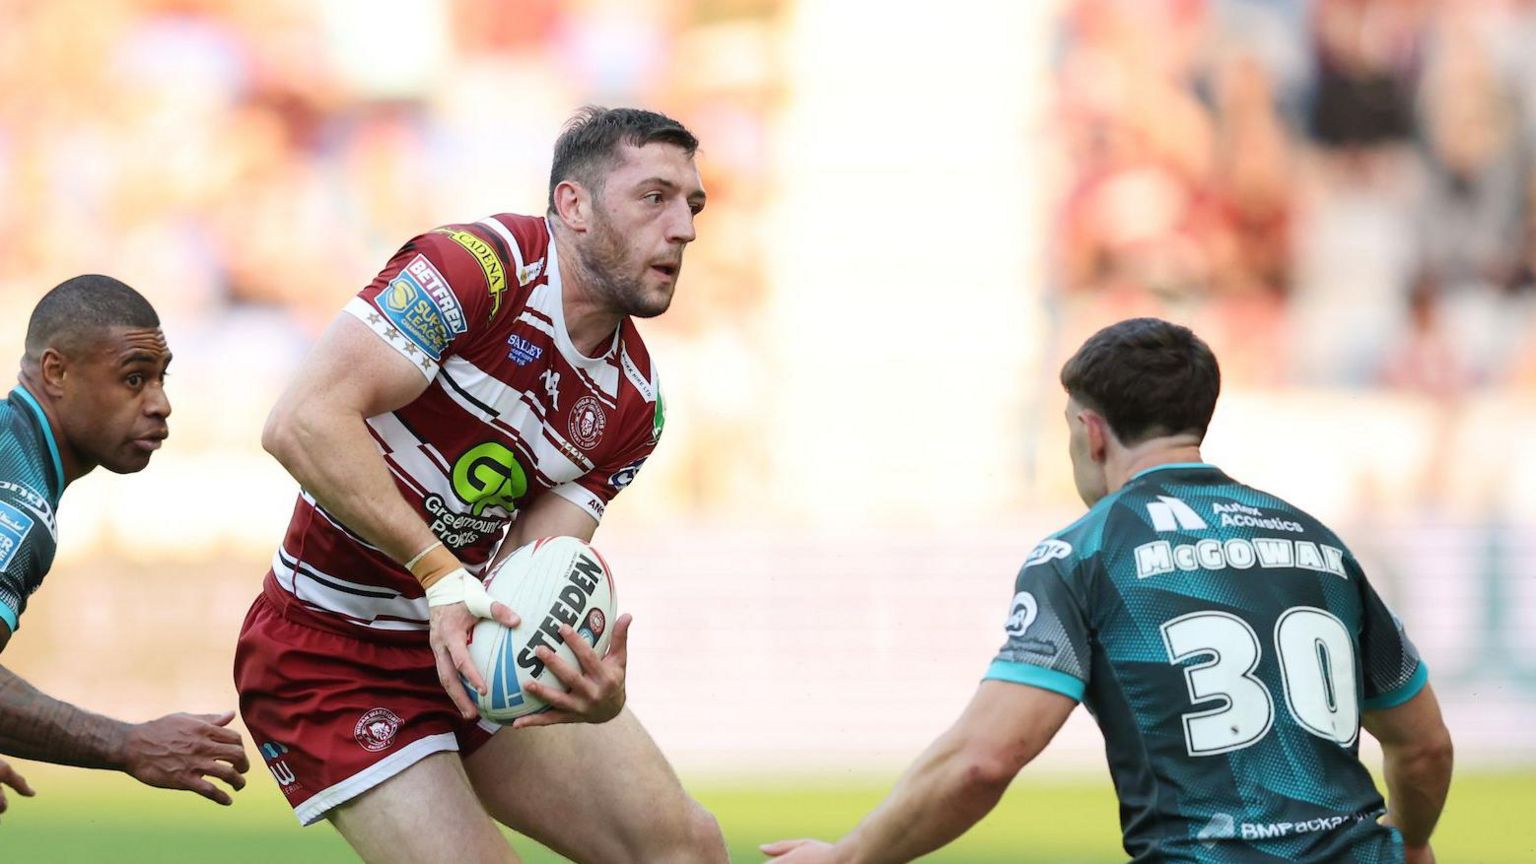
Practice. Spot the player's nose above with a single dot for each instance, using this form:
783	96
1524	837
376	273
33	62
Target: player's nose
156	403
681	229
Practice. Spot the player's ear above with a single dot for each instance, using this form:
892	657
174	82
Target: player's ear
52	368
573	204
1098	435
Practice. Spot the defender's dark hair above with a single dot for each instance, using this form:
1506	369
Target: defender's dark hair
1148	378
77	309
589	146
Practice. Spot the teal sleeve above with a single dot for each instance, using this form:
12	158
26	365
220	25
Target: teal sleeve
1397	696
1036	676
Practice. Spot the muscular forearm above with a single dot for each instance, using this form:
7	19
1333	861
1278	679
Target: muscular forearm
1418	780
333	456
36	726
938	799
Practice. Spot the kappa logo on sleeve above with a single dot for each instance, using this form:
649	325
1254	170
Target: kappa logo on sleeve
14	528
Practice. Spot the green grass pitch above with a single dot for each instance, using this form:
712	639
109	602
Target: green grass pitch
82	816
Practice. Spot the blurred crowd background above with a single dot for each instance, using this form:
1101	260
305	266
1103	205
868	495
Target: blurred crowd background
916	213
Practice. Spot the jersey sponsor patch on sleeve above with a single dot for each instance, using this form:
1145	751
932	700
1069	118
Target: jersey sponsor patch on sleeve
15	525
1025	610
1048	550
490	265
429	320
442	295
626	475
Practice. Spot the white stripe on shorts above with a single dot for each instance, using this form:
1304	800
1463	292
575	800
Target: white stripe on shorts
326	800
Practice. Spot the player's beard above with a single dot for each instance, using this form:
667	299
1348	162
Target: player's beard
616	275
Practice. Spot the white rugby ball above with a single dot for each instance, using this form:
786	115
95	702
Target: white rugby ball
548	582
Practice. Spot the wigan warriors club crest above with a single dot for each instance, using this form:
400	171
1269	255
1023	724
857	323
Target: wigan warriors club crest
587	422
376	729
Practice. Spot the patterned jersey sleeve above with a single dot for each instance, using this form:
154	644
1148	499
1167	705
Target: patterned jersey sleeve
433	296
26	550
592	491
1047	643
1390	665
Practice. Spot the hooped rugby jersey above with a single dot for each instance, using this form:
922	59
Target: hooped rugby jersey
31	482
1226	643
513	412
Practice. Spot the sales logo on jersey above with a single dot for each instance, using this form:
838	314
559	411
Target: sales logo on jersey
14	528
626	475
1023	614
489	476
490	265
1171	514
523	352
587	422
376	729
431	323
1048	550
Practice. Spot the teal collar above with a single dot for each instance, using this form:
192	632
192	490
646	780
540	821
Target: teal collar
1172	465
53	447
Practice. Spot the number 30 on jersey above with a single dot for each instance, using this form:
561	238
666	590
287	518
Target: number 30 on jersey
1317	668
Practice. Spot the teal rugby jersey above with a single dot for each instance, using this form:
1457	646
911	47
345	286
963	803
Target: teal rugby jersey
1226	643
31	481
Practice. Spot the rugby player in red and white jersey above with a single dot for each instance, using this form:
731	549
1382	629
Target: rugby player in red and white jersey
489	382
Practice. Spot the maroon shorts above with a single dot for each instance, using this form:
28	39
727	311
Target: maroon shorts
334	715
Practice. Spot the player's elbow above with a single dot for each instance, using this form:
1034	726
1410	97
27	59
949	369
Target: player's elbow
1436	752
274	433
282	435
988	770
1430	754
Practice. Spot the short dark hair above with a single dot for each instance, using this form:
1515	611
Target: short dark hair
589	146
77	309
1148	377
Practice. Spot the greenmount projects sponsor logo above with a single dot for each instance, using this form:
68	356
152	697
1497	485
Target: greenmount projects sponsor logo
489	476
489	480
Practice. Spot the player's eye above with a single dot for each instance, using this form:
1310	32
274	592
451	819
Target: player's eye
135	380
653	197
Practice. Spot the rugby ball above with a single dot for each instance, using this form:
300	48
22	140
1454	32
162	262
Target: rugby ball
548	582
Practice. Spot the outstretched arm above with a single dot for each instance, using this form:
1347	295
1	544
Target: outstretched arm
179	751
956	781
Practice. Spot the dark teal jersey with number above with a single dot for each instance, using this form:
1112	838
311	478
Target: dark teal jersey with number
31	481
1226	643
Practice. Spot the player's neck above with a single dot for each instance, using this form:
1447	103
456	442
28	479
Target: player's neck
590	320
74	466
1131	461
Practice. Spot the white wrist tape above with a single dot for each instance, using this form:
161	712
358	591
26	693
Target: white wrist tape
460	587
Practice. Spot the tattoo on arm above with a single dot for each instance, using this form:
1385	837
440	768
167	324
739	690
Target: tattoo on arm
34	725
